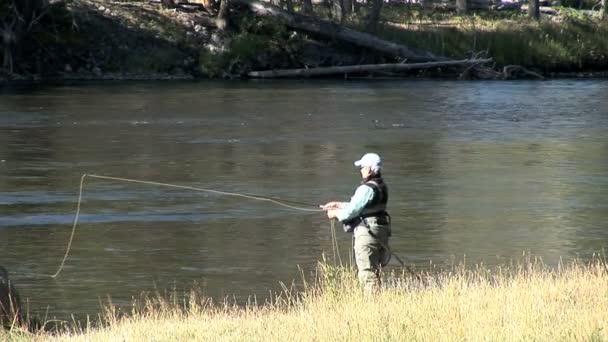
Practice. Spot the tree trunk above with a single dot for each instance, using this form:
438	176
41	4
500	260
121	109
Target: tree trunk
22	16
356	7
338	32
222	15
604	10
8	43
534	9
289	4
337	10
348	7
7	60
374	16
306	7
461	6
339	70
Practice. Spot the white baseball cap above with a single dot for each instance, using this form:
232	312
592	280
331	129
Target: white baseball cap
369	159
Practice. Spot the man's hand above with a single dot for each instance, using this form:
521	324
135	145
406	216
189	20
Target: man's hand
332	208
332	205
332	214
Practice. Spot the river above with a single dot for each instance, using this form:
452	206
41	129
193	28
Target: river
479	172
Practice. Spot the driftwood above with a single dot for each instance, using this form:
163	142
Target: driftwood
338	32
339	70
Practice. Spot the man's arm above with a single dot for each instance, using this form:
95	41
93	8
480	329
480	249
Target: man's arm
352	209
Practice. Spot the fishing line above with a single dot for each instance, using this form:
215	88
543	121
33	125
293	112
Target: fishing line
277	201
334	242
80	191
253	197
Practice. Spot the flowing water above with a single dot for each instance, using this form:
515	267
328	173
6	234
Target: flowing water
478	172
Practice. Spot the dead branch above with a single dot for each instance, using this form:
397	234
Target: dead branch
509	72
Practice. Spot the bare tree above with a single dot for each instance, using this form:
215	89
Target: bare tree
17	18
534	9
289	4
222	15
348	7
8	43
374	16
306	7
337	10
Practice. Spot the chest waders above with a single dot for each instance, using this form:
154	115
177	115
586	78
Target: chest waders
374	215
371	230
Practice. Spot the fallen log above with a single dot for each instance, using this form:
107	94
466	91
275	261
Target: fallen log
350	69
335	31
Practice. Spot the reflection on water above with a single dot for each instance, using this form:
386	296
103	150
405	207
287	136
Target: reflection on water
484	170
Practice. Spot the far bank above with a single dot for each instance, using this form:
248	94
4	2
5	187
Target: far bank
135	40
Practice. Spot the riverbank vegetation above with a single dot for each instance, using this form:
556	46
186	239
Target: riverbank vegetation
515	303
133	39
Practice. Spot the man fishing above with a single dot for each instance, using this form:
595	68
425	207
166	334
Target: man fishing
366	217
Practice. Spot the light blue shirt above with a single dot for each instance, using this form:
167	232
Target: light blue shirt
362	196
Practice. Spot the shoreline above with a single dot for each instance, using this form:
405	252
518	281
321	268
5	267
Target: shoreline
575	75
142	41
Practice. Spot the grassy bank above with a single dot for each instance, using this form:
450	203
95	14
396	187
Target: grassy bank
98	39
571	41
518	304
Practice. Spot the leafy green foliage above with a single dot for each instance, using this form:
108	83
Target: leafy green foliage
211	64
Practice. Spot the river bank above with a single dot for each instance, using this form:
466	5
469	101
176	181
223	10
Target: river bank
136	40
514	303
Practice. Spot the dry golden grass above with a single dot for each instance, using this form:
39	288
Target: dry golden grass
525	303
